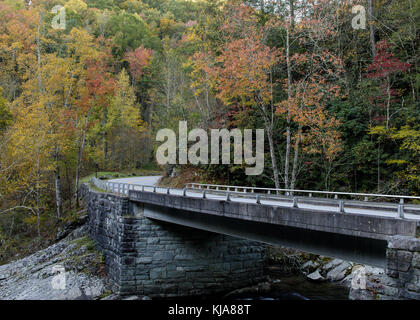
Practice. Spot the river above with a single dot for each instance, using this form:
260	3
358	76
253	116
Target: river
297	287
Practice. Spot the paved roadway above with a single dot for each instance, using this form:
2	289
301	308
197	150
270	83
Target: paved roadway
330	205
147	181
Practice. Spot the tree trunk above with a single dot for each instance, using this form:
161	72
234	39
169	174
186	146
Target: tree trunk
207	103
168	89
58	197
38	178
38	53
79	161
295	158
413	31
388	102
379	168
372	29
269	130
289	94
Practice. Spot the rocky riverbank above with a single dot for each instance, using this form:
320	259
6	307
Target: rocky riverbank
359	280
40	275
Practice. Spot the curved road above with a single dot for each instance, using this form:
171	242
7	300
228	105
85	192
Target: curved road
147	181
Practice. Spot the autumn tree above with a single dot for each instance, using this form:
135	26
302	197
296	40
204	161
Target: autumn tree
243	70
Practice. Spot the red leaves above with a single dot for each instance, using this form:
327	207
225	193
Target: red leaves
385	64
138	60
99	82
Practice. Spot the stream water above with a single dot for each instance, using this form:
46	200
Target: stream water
299	288
295	287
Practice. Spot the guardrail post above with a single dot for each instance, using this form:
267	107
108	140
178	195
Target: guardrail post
341	206
295	202
336	197
310	195
168	191
401	211
228	197
204	194
142	188
366	199
402	201
258	199
184	192
269	192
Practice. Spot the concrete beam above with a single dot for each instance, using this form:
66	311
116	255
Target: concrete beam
355	225
351	248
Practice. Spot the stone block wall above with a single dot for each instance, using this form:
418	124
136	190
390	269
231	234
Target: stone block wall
401	279
147	257
403	269
107	217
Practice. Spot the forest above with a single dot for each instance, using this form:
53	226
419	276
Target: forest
85	85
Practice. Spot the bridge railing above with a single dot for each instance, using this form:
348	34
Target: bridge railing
123	188
291	192
338	197
228	193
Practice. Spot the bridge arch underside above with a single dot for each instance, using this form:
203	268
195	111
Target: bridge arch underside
347	247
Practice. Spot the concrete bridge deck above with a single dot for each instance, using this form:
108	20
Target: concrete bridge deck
352	230
383	209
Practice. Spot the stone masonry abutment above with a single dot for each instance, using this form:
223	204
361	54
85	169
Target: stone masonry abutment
148	257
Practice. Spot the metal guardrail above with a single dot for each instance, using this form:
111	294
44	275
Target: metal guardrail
120	187
292	191
235	191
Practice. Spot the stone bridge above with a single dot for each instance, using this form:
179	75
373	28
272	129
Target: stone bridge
163	242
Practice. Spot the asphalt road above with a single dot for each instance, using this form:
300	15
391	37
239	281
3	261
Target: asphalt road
147	181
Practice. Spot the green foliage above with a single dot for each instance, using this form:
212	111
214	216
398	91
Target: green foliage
5	115
128	31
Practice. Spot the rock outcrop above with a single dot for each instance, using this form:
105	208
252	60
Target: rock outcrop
68	270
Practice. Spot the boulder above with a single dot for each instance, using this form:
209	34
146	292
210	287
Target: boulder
339	272
309	266
315	276
331	265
